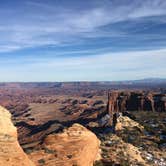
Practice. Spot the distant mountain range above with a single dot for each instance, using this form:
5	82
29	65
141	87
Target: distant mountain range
154	80
147	82
141	81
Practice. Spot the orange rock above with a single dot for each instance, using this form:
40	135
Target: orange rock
75	146
11	154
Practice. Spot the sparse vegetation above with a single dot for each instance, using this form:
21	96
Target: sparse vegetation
69	156
98	163
41	161
49	151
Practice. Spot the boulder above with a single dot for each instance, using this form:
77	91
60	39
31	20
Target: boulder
75	146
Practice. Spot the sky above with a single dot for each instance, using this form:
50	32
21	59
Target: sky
82	40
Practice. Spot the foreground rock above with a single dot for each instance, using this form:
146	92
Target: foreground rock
124	122
75	146
11	154
116	151
137	144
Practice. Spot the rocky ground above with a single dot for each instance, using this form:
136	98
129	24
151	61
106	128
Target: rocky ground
126	145
131	146
74	146
44	117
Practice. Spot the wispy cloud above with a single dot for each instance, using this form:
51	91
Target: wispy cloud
108	66
82	40
40	23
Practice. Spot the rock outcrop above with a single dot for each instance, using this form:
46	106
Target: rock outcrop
125	122
75	146
122	153
11	154
122	101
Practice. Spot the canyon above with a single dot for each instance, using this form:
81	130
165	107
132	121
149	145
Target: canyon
76	145
46	113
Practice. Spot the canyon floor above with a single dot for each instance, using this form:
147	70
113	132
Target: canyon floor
69	124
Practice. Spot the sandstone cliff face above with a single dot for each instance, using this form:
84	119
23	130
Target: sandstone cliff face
75	146
135	101
11	154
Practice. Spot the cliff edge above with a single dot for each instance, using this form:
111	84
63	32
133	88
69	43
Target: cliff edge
11	154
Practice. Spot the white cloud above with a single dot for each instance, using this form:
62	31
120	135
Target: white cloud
43	24
109	66
150	8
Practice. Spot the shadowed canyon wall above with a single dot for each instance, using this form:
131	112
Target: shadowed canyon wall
135	101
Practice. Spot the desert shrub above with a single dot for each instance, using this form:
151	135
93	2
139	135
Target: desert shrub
69	156
49	151
28	151
41	161
149	129
125	163
98	163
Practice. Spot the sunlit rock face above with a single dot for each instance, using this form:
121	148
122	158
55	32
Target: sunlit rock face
74	146
124	122
11	154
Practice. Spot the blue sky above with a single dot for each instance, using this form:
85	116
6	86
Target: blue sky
76	40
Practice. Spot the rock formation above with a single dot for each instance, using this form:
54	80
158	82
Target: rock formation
122	101
11	154
75	146
126	122
121	151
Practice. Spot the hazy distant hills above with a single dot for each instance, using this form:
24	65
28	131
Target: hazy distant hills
142	83
145	80
151	80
